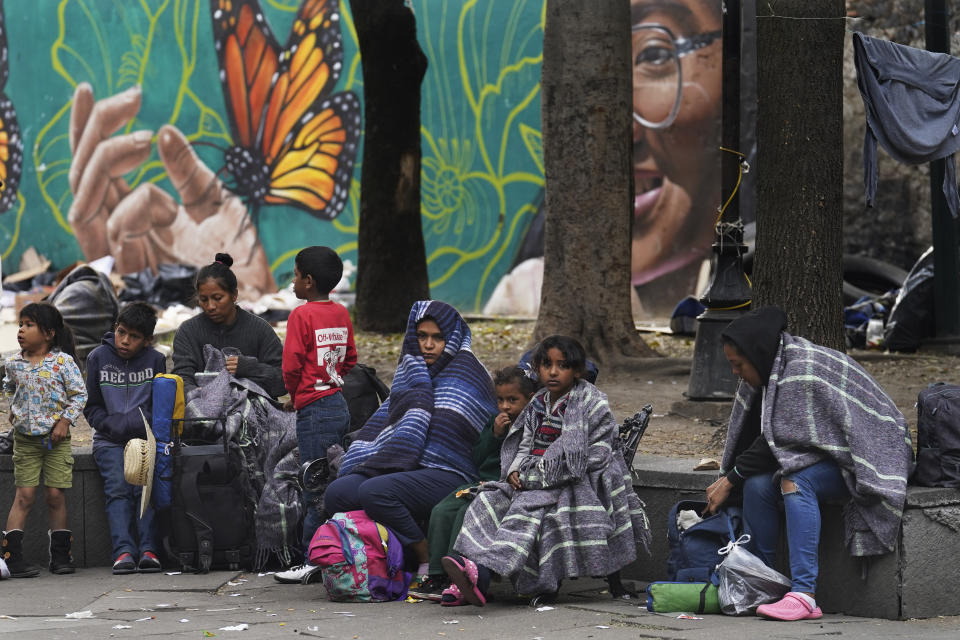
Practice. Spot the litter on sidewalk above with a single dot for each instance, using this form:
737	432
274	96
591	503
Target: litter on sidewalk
80	615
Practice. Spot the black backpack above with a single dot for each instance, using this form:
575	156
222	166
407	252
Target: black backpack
938	436
364	392
211	515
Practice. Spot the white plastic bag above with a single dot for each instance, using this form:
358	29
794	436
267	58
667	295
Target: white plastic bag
745	581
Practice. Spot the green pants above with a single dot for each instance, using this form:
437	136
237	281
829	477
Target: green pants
445	522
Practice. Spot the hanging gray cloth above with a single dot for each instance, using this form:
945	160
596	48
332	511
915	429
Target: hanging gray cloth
913	108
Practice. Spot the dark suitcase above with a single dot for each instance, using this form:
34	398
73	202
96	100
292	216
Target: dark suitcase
212	513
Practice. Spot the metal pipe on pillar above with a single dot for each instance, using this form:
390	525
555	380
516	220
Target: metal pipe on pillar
946	260
728	294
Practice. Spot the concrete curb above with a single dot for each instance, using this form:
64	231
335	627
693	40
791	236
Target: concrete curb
907	583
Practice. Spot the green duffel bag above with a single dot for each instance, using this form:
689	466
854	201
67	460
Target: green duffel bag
687	597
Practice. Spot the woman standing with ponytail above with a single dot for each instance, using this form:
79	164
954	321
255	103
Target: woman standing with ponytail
224	325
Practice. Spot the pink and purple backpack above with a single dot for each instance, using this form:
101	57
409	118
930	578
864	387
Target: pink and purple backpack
360	560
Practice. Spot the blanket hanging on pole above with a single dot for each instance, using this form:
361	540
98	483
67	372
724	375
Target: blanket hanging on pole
912	102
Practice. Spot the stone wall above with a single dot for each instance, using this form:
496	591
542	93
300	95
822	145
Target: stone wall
86	514
908	583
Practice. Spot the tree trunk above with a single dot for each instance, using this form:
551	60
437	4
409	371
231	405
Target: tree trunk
392	263
587	151
799	256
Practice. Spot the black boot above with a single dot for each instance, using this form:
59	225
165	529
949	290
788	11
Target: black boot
13	556
61	560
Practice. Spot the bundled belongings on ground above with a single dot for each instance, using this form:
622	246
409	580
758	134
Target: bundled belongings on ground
245	469
898	319
86	300
912	317
170	284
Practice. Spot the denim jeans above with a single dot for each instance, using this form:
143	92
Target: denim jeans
320	424
762	500
123	504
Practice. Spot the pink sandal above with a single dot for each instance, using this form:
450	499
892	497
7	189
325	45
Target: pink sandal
464	577
792	607
452	597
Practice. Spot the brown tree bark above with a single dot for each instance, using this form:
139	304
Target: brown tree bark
799	255
391	258
587	118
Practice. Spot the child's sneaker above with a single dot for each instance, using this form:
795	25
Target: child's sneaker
149	563
302	574
124	565
429	588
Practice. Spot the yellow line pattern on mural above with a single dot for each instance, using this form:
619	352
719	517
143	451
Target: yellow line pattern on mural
453	186
38	162
507	127
288	255
22	205
478	302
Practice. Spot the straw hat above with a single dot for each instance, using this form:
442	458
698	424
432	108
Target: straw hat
139	458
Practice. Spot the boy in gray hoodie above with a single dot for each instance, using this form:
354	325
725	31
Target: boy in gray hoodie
120	384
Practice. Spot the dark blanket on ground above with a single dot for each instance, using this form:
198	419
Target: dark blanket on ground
268	437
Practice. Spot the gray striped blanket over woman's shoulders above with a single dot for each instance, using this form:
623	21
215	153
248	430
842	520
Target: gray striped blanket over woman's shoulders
577	514
821	405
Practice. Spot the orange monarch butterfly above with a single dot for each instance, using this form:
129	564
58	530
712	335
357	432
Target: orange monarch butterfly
294	143
11	144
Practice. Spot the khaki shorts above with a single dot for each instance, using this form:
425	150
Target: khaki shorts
31	456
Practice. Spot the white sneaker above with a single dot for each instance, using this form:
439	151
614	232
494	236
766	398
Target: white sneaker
301	573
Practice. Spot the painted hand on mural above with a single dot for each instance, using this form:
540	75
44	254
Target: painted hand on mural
145	226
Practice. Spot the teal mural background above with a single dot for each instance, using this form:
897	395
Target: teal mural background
482	163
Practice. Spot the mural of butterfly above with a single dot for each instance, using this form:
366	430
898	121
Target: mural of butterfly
294	142
11	144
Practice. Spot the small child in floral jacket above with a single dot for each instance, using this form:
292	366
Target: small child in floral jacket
49	395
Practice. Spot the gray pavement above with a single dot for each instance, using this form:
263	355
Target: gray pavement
187	606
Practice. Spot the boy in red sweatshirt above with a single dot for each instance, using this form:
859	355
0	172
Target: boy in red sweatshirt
317	354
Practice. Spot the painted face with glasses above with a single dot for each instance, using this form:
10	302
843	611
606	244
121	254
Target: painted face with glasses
677	108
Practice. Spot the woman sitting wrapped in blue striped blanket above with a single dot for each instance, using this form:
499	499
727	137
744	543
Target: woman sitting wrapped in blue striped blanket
564	505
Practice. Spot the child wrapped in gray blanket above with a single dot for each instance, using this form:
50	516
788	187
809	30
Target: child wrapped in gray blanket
564	505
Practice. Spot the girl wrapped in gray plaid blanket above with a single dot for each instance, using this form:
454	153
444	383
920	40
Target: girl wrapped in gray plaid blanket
562	510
